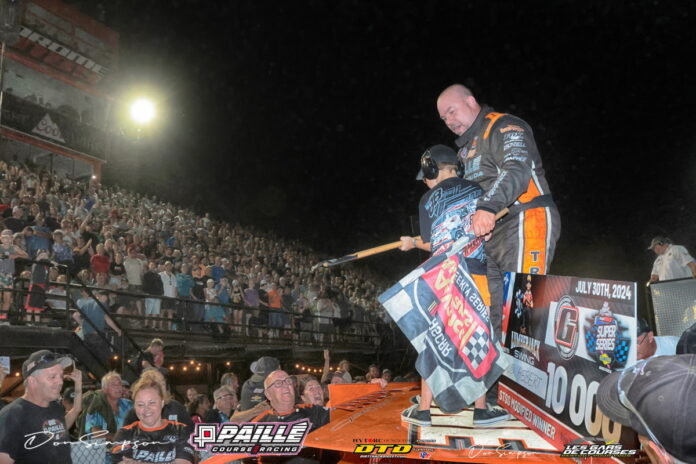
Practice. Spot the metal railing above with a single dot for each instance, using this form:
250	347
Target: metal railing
257	324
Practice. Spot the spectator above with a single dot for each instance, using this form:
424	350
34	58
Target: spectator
231	380
58	289
117	270
648	345
82	253
156	436
213	311
125	391
62	252
153	356
16	223
134	270
656	398
100	262
372	372
222	292
311	391
40	237
281	396
252	389
198	408
35	301
38	411
8	253
152	285
172	409
184	285
198	294
344	365
169	290
191	395
672	262
275	317
94	324
108	408
225	404
387	375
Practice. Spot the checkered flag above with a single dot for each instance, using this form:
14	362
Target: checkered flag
440	309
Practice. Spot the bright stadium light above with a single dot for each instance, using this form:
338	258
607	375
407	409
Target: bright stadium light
142	110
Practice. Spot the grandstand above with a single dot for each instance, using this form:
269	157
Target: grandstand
263	297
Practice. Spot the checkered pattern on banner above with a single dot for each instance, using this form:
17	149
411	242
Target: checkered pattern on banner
448	367
623	346
476	348
591	340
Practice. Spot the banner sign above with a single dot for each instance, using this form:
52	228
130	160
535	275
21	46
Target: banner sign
564	335
440	310
67	41
51	125
368	429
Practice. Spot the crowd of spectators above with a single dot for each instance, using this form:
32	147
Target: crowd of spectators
120	414
113	239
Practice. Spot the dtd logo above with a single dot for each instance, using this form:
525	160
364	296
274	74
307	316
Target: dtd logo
566	328
383	449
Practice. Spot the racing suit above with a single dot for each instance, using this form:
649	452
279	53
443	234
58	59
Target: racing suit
499	153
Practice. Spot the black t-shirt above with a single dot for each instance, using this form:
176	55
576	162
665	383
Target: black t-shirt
317	415
445	214
172	411
199	289
215	416
117	269
161	445
152	283
87	236
15	225
252	394
25	425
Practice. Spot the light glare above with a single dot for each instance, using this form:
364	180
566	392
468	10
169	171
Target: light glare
142	110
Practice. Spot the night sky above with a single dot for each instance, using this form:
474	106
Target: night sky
309	117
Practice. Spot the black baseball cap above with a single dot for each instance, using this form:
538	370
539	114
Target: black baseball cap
439	154
643	326
43	359
656	395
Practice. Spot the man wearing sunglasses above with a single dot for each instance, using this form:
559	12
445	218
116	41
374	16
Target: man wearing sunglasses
279	390
34	427
657	399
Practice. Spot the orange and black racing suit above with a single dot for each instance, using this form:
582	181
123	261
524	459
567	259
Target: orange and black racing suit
499	153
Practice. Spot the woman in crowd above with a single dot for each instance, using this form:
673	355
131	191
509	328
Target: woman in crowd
198	407
311	390
152	433
117	270
213	312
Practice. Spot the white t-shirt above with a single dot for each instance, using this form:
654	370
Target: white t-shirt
134	270
672	264
168	283
666	345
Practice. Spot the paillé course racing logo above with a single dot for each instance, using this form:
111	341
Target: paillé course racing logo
253	438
